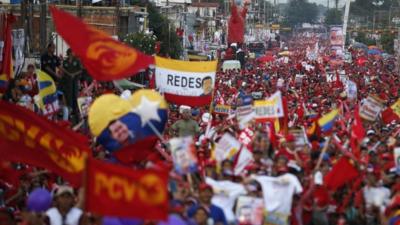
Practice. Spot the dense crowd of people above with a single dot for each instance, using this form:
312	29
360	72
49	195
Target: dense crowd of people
292	178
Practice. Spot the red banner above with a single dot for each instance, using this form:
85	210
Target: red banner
28	138
113	190
105	58
6	70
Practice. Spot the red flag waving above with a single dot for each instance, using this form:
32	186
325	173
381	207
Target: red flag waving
357	133
105	58
343	171
114	190
28	138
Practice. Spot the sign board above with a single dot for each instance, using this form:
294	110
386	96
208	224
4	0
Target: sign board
222	109
226	147
370	108
250	210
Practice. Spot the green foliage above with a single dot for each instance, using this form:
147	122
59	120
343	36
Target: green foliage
333	17
301	11
165	32
143	42
362	37
162	29
366	7
387	41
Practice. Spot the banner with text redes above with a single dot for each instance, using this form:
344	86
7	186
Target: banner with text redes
185	82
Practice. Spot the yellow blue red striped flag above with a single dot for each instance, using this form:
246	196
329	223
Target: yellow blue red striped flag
327	121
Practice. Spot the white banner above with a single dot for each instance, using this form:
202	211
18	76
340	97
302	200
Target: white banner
226	147
336	36
245	158
184	83
270	108
183	155
185	78
250	210
371	108
18	42
351	89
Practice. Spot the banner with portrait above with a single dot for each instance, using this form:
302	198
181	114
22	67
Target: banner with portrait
184	82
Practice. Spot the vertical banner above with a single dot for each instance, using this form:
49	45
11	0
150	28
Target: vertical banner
351	89
18	37
184	155
336	36
336	42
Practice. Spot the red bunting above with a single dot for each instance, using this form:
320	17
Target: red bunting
105	58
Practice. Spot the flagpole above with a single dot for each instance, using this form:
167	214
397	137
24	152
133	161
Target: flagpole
321	155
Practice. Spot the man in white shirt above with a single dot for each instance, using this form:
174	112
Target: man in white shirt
225	195
64	212
278	195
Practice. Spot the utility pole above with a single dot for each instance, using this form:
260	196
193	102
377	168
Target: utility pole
29	34
79	8
43	25
117	19
24	18
345	20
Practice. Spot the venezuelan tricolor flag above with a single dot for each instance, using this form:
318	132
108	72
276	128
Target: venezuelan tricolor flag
47	89
3	83
327	121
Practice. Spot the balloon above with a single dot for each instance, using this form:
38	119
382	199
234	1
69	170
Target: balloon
111	221
143	114
120	221
130	221
39	200
173	220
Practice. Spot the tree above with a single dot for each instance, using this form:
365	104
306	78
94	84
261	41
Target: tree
367	7
163	30
301	11
333	17
387	41
141	41
362	38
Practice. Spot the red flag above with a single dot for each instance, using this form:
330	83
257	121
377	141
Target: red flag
342	172
114	190
338	82
105	58
389	116
137	152
357	133
28	138
6	72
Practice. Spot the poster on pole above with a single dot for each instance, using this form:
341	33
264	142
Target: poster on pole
336	36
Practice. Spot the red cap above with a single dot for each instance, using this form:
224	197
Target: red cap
204	186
